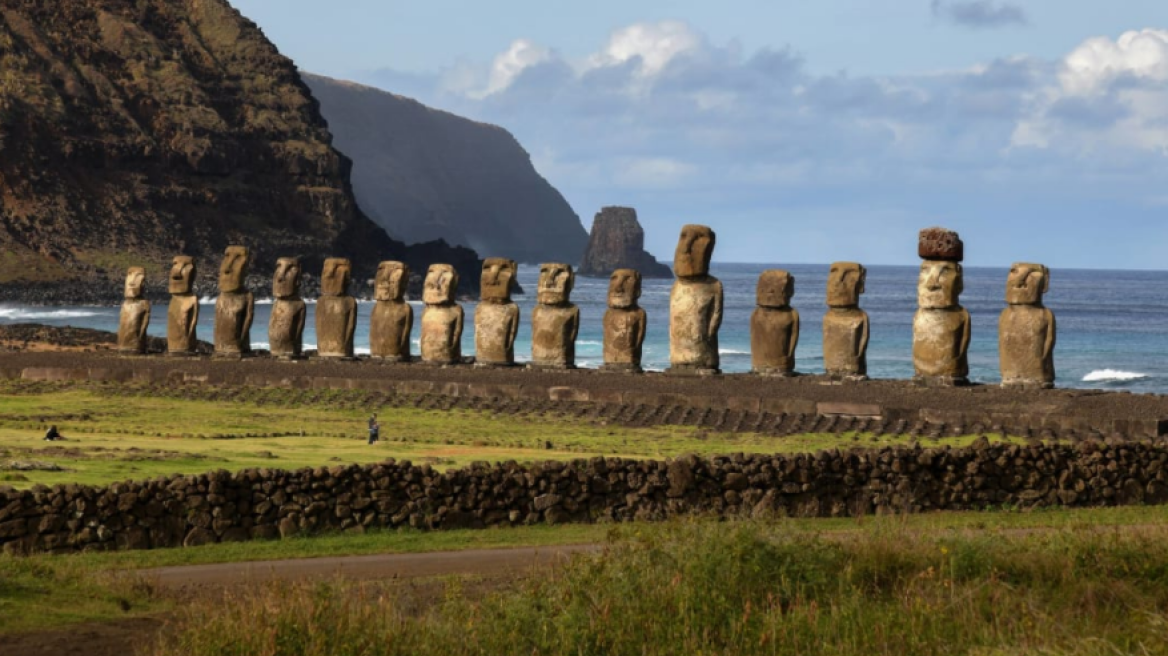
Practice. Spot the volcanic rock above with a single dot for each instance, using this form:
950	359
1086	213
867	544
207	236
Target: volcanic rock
618	242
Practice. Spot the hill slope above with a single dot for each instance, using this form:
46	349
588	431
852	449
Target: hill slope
427	174
131	130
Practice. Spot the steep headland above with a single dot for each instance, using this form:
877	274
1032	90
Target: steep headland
618	242
426	174
131	130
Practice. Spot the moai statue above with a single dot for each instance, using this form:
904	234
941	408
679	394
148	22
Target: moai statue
774	326
845	326
135	315
235	307
286	327
183	313
555	320
496	317
1026	331
941	328
624	323
336	311
695	305
443	318
392	320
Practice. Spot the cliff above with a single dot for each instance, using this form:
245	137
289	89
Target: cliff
132	130
424	174
618	242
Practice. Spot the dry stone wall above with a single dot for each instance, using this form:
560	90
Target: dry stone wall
224	507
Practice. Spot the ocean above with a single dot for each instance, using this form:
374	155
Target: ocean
1113	325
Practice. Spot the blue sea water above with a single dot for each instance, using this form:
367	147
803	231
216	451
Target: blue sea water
1113	325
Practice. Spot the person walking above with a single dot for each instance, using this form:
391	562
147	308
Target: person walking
374	429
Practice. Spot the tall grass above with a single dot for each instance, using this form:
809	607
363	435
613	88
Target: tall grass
742	588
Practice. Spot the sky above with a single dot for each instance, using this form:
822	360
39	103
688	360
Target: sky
801	132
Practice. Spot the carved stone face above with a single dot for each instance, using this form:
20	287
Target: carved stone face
775	288
1027	283
233	269
441	284
694	250
624	288
498	275
845	283
940	285
334	279
182	274
392	279
555	283
286	279
135	278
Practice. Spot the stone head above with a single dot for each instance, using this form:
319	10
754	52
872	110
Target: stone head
695	247
286	279
775	288
1027	283
182	274
441	284
334	279
135	279
624	288
555	283
233	269
845	283
940	285
391	281
498	279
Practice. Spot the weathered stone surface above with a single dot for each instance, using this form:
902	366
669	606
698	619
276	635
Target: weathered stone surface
846	326
617	241
774	325
555	320
940	244
289	313
1027	329
336	311
941	327
442	320
392	320
496	317
183	314
625	323
135	314
235	307
695	305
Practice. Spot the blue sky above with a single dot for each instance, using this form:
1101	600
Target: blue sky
801	131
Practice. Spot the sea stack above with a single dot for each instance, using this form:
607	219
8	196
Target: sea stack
617	241
1026	329
695	305
941	327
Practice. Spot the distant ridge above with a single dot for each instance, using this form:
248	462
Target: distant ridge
424	174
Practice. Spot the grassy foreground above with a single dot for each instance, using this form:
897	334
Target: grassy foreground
741	588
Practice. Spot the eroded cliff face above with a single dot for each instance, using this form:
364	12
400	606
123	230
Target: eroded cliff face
618	242
427	174
131	130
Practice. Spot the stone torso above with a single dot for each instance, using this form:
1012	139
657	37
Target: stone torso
624	335
940	343
233	315
845	332
336	321
774	335
495	329
134	319
390	326
181	318
553	335
286	327
441	333
695	309
1026	339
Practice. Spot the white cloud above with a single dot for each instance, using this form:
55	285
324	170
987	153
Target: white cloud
655	45
653	173
1096	63
510	64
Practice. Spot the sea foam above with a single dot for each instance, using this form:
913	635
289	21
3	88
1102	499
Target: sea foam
23	314
1112	376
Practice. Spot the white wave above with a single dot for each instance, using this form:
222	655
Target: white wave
588	342
22	313
360	351
732	352
264	301
208	300
1112	376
